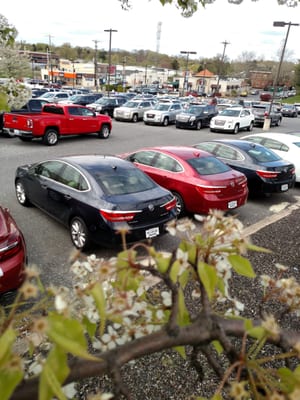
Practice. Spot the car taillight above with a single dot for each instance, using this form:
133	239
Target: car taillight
267	174
171	204
118	216
242	181
10	247
210	189
29	123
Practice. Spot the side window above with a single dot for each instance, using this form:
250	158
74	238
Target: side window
228	153
50	169
165	162
143	157
74	111
275	145
86	112
72	177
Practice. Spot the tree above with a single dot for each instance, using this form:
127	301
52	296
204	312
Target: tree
137	304
189	7
12	65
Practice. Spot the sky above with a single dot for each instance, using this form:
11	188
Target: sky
247	27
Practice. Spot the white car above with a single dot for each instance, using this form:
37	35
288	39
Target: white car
286	145
233	120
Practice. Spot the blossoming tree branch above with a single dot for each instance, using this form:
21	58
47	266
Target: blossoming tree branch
138	304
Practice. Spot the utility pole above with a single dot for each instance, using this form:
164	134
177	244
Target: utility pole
225	43
50	66
124	74
96	65
109	57
186	78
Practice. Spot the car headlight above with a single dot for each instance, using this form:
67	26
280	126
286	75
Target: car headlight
192	118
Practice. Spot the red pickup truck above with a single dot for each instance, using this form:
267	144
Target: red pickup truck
57	120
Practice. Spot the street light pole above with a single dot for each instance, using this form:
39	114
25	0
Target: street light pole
185	82
109	57
267	122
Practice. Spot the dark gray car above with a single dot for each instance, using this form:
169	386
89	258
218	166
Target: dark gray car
262	111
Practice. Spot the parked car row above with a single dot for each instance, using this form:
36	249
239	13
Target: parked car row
100	197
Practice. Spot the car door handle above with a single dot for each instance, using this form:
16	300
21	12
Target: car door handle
44	186
67	197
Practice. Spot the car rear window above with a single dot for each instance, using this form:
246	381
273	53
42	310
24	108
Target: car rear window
208	165
262	154
123	181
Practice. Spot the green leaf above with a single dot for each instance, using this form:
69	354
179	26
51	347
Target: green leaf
251	246
191	249
181	351
218	347
9	380
69	335
184	278
54	373
258	332
288	379
241	265
175	271
90	327
183	317
124	258
162	263
99	298
6	341
208	277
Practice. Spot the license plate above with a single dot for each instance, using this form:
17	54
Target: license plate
232	204
284	187
150	233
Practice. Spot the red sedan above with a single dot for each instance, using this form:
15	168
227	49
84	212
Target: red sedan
197	179
12	253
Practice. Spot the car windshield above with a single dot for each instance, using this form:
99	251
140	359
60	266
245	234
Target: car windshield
230	112
195	110
208	165
162	107
131	104
103	100
123	181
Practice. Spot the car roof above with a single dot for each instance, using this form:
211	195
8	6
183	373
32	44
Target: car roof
88	161
184	152
239	143
285	137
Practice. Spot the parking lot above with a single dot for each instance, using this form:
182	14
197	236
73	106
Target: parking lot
49	244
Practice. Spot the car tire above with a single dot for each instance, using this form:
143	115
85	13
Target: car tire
166	121
79	234
180	207
104	132
135	118
51	137
236	129
250	127
177	126
21	194
198	125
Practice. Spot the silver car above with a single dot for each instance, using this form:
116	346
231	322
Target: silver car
164	113
133	110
